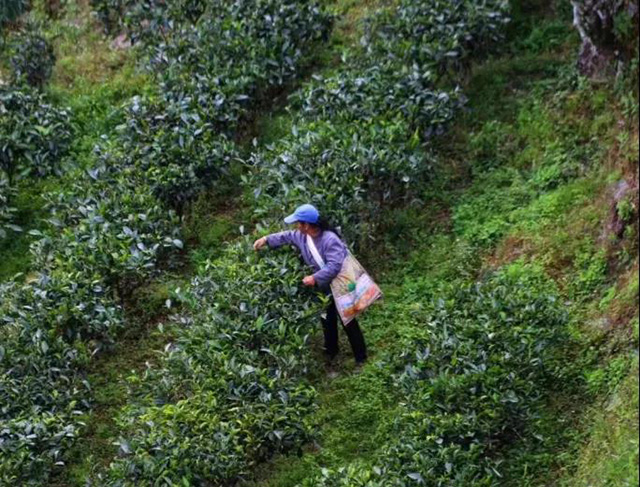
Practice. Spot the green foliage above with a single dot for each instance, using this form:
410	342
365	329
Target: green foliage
26	198
110	228
179	136
626	209
231	390
591	266
42	391
180	154
352	173
32	58
366	94
357	147
546	36
34	134
492	146
609	457
486	212
111	13
605	380
11	10
7	211
470	384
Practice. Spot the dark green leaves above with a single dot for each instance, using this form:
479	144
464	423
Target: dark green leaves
32	58
360	144
473	384
231	390
34	134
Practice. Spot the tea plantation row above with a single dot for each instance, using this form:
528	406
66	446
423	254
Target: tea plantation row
362	136
470	382
234	388
110	227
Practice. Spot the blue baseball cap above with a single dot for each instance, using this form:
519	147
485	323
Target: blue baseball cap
303	213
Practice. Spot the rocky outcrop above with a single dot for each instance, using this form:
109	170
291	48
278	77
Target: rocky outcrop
608	29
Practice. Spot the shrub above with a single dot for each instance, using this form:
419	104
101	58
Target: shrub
352	172
179	153
110	13
11	10
42	391
34	135
109	230
359	145
180	137
472	384
32	58
7	212
231	390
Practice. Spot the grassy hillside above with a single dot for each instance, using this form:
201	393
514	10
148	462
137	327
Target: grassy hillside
526	186
488	187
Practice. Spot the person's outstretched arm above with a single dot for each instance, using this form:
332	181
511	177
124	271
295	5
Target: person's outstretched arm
276	240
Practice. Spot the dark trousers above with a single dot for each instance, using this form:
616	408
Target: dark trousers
354	333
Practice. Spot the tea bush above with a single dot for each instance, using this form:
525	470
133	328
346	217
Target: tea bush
110	13
42	390
32	58
180	136
7	212
179	153
11	10
111	227
360	143
378	93
437	35
473	382
231	390
35	135
350	172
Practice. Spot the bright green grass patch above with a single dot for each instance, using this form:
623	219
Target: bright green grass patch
14	252
113	389
91	75
610	457
96	107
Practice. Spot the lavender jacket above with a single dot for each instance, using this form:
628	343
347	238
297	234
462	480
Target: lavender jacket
332	250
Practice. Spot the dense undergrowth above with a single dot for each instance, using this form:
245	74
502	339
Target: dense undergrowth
510	222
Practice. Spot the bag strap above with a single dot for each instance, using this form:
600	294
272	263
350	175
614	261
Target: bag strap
314	252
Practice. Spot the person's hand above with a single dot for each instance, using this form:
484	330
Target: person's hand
309	281
258	244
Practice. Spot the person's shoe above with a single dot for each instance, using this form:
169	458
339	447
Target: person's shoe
359	366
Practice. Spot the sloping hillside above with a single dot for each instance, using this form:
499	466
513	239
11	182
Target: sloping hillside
489	186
